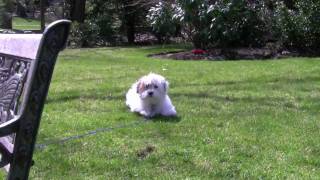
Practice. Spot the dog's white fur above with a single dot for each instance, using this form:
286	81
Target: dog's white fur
148	97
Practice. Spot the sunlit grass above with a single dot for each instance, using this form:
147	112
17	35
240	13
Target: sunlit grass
237	119
25	24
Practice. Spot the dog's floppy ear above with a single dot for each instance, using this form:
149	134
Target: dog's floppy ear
140	86
165	85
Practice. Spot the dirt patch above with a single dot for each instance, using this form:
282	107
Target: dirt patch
143	153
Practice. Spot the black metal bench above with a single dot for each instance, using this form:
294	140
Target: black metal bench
26	66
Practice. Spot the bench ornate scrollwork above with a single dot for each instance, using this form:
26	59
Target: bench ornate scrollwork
12	77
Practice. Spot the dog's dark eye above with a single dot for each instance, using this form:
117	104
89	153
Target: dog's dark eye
155	86
147	86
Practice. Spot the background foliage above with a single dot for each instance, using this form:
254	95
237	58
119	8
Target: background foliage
205	23
234	23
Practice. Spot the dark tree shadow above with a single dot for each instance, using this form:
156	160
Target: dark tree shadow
281	80
89	95
160	118
170	119
267	100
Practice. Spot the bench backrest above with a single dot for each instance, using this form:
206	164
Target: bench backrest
26	66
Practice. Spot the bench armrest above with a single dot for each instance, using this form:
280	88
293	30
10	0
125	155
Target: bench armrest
9	127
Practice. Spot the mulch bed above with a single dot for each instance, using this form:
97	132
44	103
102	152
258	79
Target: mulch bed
227	54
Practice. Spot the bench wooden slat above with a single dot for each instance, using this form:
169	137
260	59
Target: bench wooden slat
22	45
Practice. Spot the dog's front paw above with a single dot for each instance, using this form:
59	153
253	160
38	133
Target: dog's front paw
143	113
146	114
171	112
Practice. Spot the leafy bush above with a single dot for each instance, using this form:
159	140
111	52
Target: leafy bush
300	27
236	23
98	28
83	34
223	23
197	21
208	23
232	23
161	19
106	31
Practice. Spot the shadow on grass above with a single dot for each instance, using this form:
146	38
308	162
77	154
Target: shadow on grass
159	118
282	84
172	119
77	95
265	101
265	80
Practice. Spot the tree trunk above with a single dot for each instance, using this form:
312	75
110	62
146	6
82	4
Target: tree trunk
78	8
6	20
6	9
42	14
21	10
130	20
131	30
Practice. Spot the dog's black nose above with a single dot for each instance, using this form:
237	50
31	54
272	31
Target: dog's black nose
150	93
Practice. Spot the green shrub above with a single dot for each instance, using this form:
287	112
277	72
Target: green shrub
83	34
106	32
237	23
198	21
300	27
98	28
162	22
224	23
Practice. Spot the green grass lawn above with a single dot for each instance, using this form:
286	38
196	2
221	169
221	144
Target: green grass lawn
237	119
25	24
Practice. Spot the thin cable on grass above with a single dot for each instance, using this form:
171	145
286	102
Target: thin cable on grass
89	133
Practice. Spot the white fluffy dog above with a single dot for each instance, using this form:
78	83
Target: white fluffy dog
148	96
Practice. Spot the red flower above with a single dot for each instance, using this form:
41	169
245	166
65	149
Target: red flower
198	51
